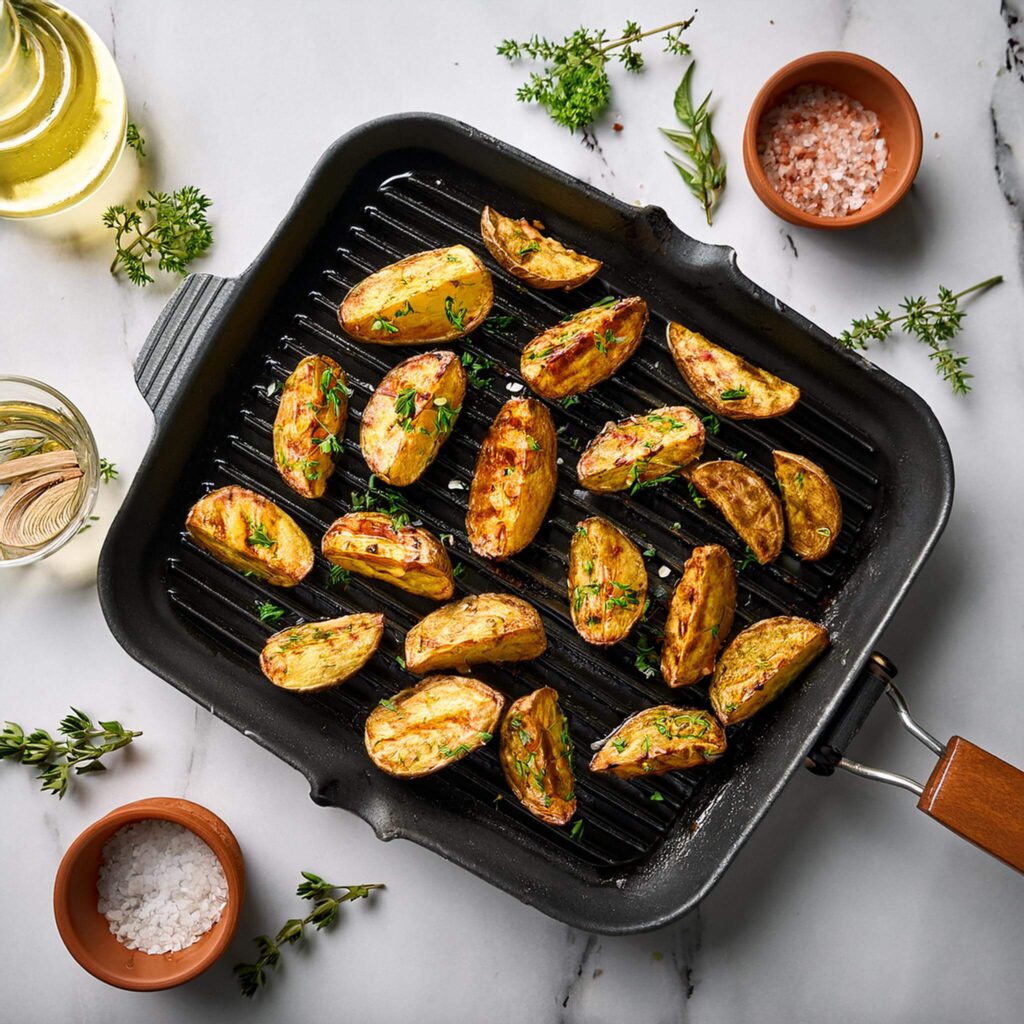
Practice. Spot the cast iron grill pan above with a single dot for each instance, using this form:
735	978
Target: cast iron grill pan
403	201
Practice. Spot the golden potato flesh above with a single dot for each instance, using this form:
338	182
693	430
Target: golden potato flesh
661	739
761	662
584	350
410	415
317	655
725	382
477	629
536	755
519	247
515	478
249	532
746	501
607	582
408	557
431	725
635	452
699	617
439	295
810	502
310	420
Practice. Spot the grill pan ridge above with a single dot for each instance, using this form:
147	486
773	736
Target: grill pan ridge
405	184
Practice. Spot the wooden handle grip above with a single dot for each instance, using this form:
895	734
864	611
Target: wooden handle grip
980	797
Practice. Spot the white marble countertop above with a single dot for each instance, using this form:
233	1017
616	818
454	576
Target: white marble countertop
846	905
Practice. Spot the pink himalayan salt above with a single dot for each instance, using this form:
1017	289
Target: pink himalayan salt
822	151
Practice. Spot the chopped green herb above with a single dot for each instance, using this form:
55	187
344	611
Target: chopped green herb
108	471
405	408
576	832
400	660
405	310
269	612
569	401
389	704
733	394
445	415
646	660
455	318
383	499
534	447
711	423
383	324
133	137
531	247
656	796
476	366
337	576
258	536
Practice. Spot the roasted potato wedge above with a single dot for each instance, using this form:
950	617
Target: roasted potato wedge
410	415
477	629
317	655
584	350
810	502
635	451
249	532
536	755
408	557
310	418
431	725
540	262
607	582
746	501
514	481
661	739
438	295
725	382
761	662
699	617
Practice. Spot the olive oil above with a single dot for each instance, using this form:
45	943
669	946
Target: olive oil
62	109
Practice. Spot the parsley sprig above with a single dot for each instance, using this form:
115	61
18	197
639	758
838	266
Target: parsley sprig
934	323
81	749
701	165
169	226
327	900
383	499
574	87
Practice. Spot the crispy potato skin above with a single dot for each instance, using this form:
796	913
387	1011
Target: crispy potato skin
641	448
607	582
298	429
661	739
525	253
746	501
710	369
514	481
761	662
536	755
699	617
408	557
432	296
317	655
431	725
810	502
584	350
397	448
227	521
480	628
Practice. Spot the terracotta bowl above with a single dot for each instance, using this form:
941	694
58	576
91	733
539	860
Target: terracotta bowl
876	89
85	930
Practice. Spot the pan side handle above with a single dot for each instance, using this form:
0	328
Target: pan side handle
979	797
179	336
972	792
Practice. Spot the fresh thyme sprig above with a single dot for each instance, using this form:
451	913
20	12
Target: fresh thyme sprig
574	88
701	165
108	470
932	322
81	750
133	137
170	226
326	905
383	499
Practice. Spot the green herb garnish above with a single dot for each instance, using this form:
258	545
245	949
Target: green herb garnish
133	137
532	247
81	749
733	394
405	408
574	88
326	904
383	499
476	366
445	415
711	423
456	319
934	323
337	576
258	536
268	611
647	658
700	165
169	226
108	471
383	324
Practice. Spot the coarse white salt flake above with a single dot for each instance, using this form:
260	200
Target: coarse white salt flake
664	571
160	886
822	151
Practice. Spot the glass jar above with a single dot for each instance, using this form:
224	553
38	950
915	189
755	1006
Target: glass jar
63	112
35	416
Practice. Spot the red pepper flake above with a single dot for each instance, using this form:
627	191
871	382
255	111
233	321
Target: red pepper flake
616	127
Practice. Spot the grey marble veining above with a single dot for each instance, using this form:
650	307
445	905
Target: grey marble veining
846	905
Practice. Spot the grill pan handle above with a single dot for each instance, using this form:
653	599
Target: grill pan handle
972	792
179	337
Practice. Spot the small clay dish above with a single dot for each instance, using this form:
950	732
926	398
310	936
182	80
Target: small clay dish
876	89
85	930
